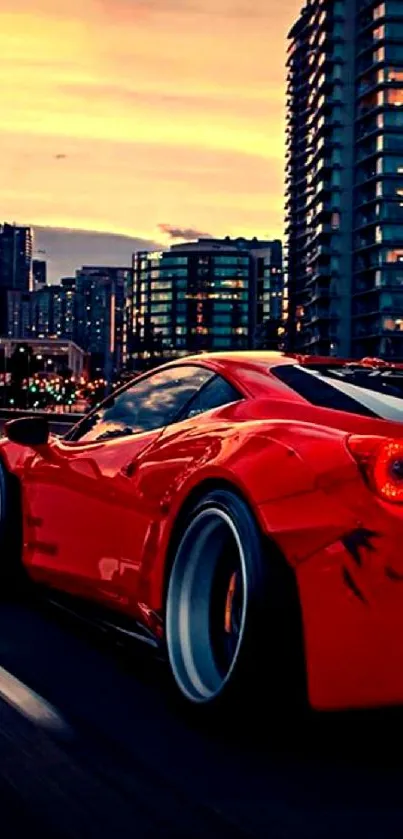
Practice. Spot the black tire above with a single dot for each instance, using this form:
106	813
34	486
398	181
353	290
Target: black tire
267	669
12	576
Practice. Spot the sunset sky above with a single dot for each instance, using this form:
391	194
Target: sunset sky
124	115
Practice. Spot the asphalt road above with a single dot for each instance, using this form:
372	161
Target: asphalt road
92	744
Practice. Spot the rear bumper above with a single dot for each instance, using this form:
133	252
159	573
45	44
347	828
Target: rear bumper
353	629
349	569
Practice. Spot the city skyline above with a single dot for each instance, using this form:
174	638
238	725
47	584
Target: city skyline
115	122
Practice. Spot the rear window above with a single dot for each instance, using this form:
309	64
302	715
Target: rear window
371	392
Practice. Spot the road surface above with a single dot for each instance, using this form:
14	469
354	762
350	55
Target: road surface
93	745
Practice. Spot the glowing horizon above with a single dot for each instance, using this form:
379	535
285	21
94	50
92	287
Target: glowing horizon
122	115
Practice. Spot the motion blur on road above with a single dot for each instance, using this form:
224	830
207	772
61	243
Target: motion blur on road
93	745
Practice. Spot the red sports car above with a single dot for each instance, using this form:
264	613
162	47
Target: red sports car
243	511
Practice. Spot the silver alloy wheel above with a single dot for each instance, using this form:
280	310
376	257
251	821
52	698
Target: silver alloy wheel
193	653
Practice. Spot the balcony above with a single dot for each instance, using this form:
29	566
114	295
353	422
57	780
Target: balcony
315	314
319	337
319	293
363	199
365	152
362	243
366	311
364	221
368	64
367	130
363	175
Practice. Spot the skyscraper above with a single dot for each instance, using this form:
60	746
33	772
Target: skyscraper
16	244
344	180
100	308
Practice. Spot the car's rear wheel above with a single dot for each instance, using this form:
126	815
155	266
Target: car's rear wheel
224	624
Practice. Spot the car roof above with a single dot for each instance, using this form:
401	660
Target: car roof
247	358
266	358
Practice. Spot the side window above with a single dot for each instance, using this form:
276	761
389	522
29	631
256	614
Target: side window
215	393
150	403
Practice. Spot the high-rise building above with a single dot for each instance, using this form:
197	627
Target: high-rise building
66	326
344	193
100	313
16	244
49	312
212	294
19	314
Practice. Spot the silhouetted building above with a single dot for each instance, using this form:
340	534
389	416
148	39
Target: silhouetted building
39	273
16	244
51	356
345	179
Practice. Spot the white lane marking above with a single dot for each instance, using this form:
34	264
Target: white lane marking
29	703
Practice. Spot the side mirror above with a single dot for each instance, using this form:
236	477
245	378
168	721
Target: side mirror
28	431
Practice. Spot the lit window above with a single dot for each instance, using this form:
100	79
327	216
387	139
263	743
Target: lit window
392	324
379	33
379	11
395	75
394	256
395	97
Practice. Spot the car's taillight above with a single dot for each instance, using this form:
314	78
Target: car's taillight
381	461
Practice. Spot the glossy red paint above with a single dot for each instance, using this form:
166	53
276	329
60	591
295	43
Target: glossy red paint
98	519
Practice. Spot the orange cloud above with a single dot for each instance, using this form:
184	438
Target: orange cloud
119	113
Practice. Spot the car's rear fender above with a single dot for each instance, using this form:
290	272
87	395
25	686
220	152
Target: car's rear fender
284	472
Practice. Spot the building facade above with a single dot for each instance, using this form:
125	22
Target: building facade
99	318
213	294
87	310
344	179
